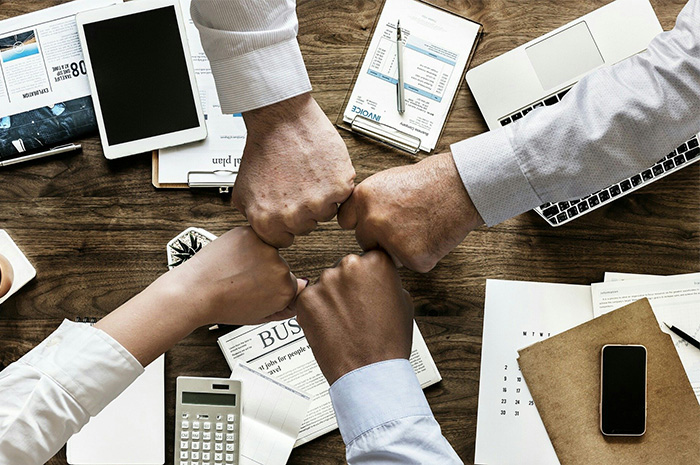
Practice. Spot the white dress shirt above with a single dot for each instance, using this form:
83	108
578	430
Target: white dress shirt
51	393
614	123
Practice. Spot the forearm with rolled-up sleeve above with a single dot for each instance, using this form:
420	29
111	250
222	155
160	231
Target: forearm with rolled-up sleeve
51	392
615	122
253	50
384	418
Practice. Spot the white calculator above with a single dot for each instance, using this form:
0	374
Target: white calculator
207	421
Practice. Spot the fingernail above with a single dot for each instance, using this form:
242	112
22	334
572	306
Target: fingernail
306	279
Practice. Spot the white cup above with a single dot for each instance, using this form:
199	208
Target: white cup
7	275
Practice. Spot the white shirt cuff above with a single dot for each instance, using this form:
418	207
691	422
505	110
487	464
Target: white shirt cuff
377	394
87	363
492	175
261	77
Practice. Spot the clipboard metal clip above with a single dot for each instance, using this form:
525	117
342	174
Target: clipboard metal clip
221	179
386	134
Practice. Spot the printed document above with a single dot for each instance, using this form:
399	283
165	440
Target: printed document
280	350
437	46
674	299
223	147
272	416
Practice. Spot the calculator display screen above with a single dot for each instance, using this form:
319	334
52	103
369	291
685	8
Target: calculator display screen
208	398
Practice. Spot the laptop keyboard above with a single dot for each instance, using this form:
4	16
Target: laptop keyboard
558	213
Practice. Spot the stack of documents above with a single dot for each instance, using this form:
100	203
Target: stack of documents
518	314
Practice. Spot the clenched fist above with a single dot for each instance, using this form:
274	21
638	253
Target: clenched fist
416	213
295	170
357	314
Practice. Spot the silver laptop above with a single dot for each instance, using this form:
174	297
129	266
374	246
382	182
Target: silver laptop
540	72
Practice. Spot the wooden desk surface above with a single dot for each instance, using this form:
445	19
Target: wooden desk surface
96	230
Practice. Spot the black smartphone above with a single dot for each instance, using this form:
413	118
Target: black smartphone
623	390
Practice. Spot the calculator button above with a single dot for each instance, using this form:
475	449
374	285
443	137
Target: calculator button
206	455
185	415
229	437
184	455
195	435
230	417
184	445
207	425
206	436
219	426
185	435
230	427
218	447
195	455
218	457
219	436
195	446
184	462
229	448
195	425
219	417
185	424
229	457
206	446
202	417
218	463
206	463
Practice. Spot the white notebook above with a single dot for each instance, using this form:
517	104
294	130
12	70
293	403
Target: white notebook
130	430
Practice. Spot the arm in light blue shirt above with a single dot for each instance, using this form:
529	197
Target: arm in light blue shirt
384	418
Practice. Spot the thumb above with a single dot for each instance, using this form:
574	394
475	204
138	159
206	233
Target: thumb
301	284
347	214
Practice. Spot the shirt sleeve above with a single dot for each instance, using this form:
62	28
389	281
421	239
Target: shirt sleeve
253	50
384	417
51	393
615	122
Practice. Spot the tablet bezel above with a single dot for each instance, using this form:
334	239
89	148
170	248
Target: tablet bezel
151	143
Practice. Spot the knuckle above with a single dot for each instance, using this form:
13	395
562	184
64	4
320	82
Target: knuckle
351	261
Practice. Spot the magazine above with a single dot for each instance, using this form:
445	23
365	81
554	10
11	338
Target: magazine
44	90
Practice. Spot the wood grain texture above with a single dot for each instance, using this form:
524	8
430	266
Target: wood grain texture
96	229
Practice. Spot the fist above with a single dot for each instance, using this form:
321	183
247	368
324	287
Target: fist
357	314
237	279
295	170
416	213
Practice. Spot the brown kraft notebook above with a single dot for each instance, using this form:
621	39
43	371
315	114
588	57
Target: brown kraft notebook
563	376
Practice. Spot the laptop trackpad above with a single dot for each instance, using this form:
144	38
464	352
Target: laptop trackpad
565	55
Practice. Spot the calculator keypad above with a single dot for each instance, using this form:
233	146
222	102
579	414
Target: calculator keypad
218	448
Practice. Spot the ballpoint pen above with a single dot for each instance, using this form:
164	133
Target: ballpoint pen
37	156
683	335
400	102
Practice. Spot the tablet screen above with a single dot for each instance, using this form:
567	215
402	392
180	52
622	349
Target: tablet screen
141	75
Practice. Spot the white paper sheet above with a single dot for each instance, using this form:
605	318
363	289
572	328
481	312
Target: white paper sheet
223	147
437	48
130	430
272	416
674	299
517	314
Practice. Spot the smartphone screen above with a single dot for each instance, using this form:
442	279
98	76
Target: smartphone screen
623	394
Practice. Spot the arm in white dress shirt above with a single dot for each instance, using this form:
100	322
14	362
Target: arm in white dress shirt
295	168
615	122
51	393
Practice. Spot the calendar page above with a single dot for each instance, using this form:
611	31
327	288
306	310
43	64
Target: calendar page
517	314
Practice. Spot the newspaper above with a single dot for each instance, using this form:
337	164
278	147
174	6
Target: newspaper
280	350
44	89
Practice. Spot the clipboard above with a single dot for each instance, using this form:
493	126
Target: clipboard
223	180
387	134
